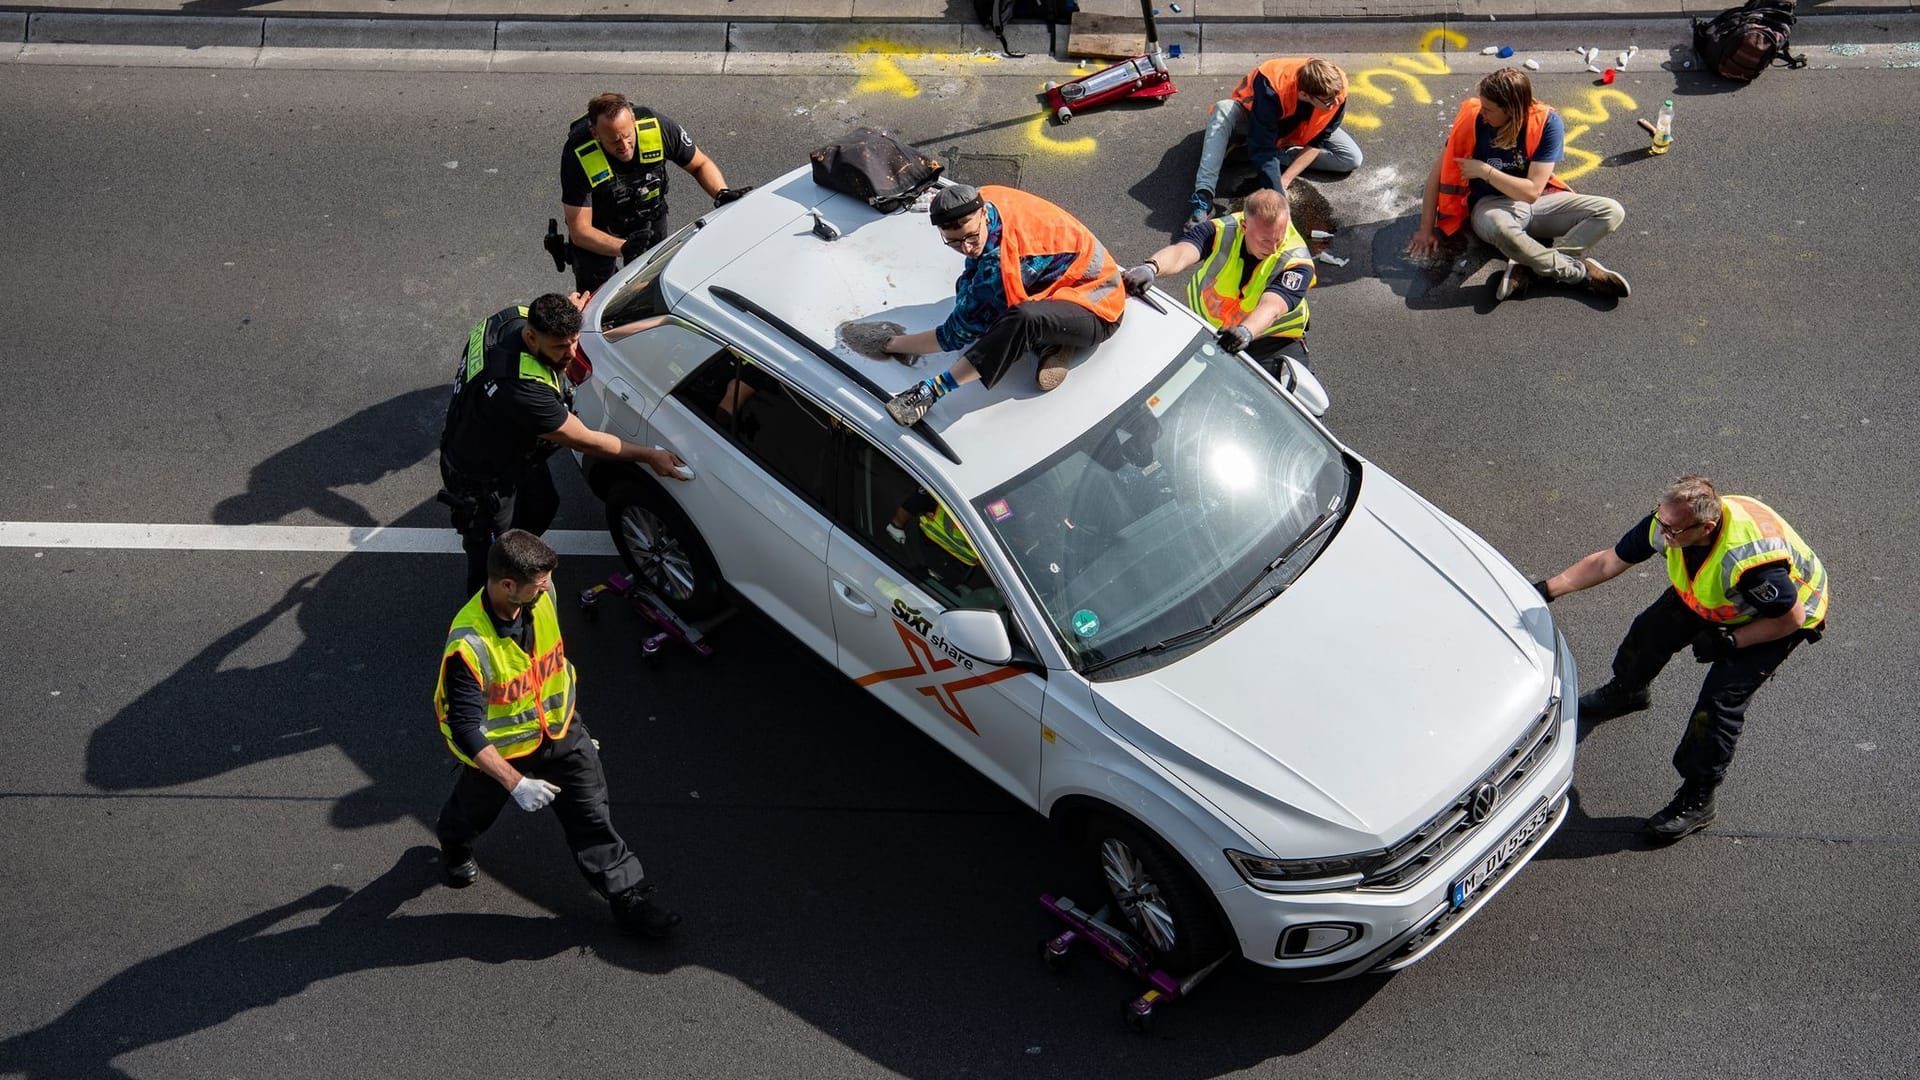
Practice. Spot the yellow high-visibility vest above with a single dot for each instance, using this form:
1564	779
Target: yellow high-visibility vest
1215	293
528	697
1751	533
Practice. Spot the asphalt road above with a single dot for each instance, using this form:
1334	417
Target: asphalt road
235	298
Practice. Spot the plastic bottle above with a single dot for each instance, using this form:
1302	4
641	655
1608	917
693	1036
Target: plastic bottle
1663	128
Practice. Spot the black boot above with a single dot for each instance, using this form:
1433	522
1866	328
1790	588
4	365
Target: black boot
457	864
635	913
1690	811
1611	700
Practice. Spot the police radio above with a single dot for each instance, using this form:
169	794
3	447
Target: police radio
556	246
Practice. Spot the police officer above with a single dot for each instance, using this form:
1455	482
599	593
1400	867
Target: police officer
512	407
1746	590
613	183
945	552
506	705
1252	284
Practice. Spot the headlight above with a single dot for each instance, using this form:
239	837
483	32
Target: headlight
1302	875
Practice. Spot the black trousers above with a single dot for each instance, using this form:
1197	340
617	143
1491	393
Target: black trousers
528	501
1271	353
1665	628
592	269
1034	325
573	765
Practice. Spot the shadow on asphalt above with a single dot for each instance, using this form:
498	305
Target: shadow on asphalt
800	827
1583	837
250	965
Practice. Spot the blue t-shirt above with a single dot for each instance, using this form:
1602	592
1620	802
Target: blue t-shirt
1513	161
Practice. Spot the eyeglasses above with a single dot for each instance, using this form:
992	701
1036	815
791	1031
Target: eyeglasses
964	238
1672	531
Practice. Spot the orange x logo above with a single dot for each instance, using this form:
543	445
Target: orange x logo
925	663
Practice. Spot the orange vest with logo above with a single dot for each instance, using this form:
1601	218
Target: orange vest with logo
1030	225
1450	210
1283	74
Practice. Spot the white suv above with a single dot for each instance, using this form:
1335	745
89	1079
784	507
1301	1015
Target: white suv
1287	707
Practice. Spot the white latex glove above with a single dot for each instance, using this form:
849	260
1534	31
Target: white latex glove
533	794
899	534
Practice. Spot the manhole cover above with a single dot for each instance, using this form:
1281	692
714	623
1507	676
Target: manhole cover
967	167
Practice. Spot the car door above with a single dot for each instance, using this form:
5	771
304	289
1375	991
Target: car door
885	596
761	454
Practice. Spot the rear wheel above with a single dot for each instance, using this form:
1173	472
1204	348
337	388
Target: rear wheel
1162	901
663	550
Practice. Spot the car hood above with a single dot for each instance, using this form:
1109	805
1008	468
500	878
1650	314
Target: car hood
1366	697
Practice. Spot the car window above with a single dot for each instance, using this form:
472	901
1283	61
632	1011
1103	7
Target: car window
641	296
787	434
927	545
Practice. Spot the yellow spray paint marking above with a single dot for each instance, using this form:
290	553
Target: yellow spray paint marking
880	71
1439	33
1038	138
1581	161
1363	85
1424	62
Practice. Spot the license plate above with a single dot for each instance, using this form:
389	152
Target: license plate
1498	856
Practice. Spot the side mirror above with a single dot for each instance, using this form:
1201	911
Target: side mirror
1306	387
980	634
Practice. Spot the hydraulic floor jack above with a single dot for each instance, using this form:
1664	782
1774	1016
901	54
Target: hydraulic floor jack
649	606
1122	951
1144	76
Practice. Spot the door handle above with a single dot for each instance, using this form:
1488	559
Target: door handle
850	598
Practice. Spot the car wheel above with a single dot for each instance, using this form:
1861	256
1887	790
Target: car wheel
663	550
1163	902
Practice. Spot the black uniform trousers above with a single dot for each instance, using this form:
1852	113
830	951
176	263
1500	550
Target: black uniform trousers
1033	326
573	765
528	501
1271	354
1666	627
592	269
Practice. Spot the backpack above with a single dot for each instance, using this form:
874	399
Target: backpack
995	14
876	167
1740	43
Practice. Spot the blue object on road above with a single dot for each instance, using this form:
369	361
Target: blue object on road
1174	51
1506	51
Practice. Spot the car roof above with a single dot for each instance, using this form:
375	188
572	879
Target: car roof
894	268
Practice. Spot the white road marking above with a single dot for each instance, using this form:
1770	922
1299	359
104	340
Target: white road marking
72	534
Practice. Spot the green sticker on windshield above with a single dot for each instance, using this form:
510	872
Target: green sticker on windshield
1086	623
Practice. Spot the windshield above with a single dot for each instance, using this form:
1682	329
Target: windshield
640	296
1158	525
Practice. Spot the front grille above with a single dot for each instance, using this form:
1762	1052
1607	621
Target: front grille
1427	846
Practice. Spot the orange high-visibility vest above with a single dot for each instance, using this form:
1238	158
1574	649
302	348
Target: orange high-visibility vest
1450	209
1030	225
1283	74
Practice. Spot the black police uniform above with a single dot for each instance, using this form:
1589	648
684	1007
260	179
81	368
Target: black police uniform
493	461
629	198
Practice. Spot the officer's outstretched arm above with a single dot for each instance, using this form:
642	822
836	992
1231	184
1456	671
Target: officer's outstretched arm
703	170
580	230
1602	565
575	435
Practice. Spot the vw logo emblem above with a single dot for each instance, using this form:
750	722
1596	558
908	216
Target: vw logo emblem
1480	803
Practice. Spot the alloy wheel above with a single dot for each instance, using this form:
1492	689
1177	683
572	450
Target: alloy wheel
658	556
1138	895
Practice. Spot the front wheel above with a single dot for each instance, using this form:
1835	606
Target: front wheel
1163	901
663	550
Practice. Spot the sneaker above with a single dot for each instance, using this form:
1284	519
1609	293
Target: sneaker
1606	282
1690	811
1611	700
1513	281
1199	208
908	406
636	913
458	867
1053	367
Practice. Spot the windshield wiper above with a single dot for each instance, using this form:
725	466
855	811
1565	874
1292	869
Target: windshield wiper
1232	610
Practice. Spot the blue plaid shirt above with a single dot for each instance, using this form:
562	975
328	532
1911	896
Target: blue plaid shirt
980	297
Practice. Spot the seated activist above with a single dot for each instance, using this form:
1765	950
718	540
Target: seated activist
941	548
1252	284
1288	110
1035	279
1496	172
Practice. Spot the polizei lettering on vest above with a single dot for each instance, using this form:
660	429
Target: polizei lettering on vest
545	666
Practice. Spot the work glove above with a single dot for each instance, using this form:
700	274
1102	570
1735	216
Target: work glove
533	794
1138	279
636	245
1541	588
1715	643
899	534
1234	338
728	194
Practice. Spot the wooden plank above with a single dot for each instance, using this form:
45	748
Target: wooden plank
1106	37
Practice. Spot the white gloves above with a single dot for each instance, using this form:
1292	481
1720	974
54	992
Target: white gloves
899	534
533	794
